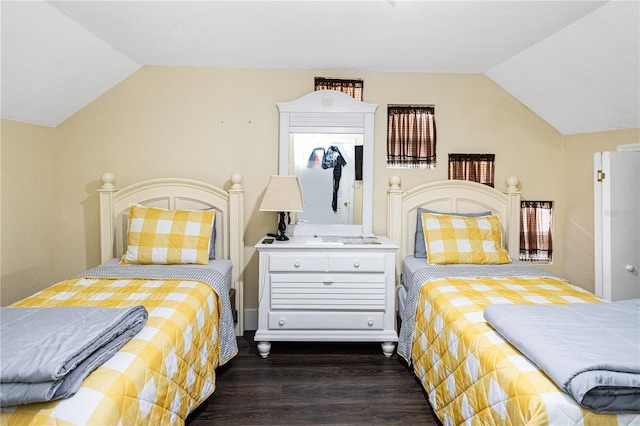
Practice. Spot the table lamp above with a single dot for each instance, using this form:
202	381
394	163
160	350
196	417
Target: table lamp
283	195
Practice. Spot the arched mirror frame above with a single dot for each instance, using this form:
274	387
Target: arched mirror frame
333	112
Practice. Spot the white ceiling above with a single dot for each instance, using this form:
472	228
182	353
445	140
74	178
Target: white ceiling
574	63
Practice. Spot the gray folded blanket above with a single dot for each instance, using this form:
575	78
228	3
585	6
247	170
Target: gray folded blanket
590	350
47	352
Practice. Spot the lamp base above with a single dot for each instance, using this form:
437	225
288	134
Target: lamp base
282	227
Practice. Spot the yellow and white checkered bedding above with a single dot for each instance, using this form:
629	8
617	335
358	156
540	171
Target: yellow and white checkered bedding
159	376
471	375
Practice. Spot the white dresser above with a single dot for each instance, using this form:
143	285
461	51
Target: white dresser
328	289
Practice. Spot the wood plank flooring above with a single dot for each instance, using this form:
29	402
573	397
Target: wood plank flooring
315	383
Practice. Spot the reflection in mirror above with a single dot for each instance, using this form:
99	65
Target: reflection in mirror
326	166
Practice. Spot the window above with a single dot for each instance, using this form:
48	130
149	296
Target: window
473	167
411	136
352	88
536	242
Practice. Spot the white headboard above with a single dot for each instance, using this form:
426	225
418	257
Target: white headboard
451	196
169	193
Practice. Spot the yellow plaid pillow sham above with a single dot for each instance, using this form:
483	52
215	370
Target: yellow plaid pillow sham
457	239
159	236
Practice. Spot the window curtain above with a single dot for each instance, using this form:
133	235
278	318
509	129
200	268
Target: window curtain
411	136
536	243
473	167
353	88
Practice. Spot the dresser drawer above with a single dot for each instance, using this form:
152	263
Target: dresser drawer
326	320
292	262
360	292
363	262
289	262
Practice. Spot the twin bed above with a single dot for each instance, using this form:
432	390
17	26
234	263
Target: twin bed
456	312
168	367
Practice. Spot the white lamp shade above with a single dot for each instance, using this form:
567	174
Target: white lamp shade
283	194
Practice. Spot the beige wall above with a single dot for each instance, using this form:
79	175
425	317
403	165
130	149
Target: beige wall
579	226
28	210
206	123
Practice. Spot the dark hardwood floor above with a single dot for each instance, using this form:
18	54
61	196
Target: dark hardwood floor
315	383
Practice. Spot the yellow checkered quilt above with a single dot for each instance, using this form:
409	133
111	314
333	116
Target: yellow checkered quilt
159	376
471	375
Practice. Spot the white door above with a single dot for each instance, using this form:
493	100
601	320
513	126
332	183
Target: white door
617	224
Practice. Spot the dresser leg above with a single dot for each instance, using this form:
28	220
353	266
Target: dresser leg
264	348
388	348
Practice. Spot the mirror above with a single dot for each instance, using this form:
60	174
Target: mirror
326	139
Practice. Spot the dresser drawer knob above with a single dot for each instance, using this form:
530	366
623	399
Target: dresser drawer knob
356	264
296	265
281	323
370	323
328	281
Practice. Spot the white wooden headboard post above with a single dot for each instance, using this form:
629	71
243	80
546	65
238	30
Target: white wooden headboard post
513	206
107	227
236	245
394	220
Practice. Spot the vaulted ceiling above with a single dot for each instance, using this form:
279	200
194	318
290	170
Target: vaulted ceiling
574	63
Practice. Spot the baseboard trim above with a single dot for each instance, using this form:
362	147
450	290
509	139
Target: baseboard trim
251	319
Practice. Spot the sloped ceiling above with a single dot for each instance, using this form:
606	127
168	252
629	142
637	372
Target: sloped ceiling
574	63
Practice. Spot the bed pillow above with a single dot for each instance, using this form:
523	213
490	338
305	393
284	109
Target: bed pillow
419	249
159	236
455	239
212	245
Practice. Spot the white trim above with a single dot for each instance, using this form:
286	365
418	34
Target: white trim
250	319
629	147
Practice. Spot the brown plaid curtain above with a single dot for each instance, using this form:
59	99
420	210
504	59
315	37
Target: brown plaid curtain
411	136
473	167
352	88
536	243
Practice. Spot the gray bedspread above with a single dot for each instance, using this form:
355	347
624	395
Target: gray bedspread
591	351
47	352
